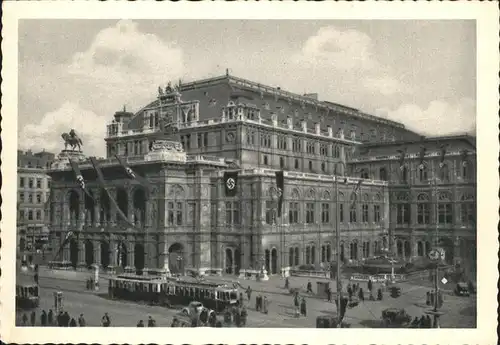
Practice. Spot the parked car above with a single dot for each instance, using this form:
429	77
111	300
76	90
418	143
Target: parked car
194	308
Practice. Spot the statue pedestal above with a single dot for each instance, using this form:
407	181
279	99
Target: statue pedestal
62	159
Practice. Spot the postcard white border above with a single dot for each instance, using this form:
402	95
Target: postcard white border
486	15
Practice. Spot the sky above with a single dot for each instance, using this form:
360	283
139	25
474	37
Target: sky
77	73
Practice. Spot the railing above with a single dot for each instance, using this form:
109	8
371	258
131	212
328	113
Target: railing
408	156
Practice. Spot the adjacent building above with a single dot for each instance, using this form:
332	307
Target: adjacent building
342	168
33	186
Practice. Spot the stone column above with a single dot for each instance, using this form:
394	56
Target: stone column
130	253
113	249
112	207
97	209
81	252
80	222
97	252
130	205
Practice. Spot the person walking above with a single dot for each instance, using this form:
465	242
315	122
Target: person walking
60	319
303	309
309	287
72	323
287	283
329	294
175	322
43	318
244	315
361	295
265	305
249	293
81	321
241	298
140	323
151	322
66	319
370	285
33	318
24	319
349	291
50	317
257	303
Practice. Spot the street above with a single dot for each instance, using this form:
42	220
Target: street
459	312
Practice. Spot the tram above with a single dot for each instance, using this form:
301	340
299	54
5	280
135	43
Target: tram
173	291
26	292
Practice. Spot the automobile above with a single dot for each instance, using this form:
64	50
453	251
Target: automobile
395	318
195	308
462	289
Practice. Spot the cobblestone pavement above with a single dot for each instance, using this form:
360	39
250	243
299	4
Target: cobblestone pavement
459	312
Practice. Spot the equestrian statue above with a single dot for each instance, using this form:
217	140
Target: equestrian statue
73	140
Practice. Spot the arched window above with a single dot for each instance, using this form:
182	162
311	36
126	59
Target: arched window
467	170
445	210
423	209
422	173
467	209
282	162
444	172
404	174
296	163
364	173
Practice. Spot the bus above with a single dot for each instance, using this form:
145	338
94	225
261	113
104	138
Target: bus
26	292
173	291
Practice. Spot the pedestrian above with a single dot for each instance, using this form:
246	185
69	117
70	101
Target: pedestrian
349	291
241	298
287	283
361	295
260	302
303	309
43	318
106	321
227	316
415	322
370	285
257	303
237	318
140	323
249	293
72	323
81	321
428	321
244	315
60	319
380	296
175	322
33	318
24	319
265	305
422	322
428	298
151	322
66	319
50	317
309	287
329	294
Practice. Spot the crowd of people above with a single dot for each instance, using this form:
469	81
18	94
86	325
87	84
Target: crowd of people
62	319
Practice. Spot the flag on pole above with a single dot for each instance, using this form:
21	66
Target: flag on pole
132	174
421	157
231	182
68	236
100	178
280	186
79	178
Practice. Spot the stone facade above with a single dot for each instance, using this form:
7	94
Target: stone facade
185	221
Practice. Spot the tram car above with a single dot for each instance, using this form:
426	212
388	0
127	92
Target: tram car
27	292
173	291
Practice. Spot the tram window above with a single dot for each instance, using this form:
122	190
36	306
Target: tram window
234	295
31	291
36	290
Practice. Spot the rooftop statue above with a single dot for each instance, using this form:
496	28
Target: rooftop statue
169	88
73	140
